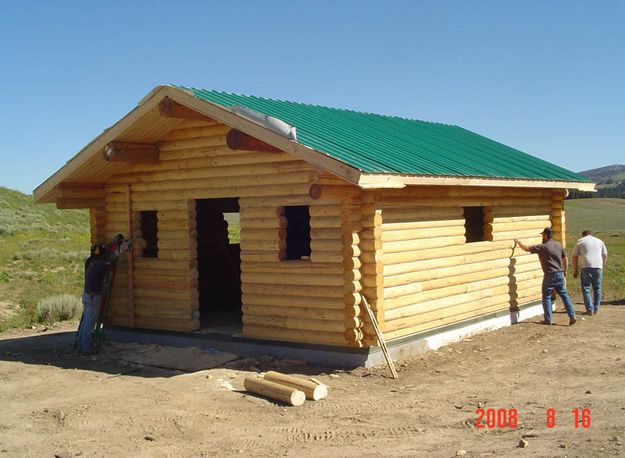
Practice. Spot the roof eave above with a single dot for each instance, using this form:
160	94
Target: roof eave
379	181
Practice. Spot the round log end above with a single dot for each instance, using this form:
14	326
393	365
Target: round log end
320	392
234	139
165	106
298	398
352	311
356	344
314	191
353	322
352	299
353	335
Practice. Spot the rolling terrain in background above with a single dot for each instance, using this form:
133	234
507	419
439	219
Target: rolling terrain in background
610	182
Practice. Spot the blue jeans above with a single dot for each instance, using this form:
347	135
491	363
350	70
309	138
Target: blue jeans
591	277
555	281
91	308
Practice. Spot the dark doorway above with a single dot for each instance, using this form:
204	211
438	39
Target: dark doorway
219	264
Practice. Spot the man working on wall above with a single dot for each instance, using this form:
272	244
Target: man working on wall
554	263
95	269
594	254
97	266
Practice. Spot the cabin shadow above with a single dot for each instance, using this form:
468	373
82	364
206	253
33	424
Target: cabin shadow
57	349
119	358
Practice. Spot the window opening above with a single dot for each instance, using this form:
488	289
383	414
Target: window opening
474	222
149	233
297	232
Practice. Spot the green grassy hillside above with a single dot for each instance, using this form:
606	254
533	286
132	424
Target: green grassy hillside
606	216
42	251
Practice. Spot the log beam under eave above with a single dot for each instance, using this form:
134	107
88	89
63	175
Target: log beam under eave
79	203
131	152
169	108
73	191
237	140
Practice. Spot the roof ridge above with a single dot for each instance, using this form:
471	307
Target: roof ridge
327	107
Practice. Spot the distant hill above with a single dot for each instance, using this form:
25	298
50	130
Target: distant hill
610	182
606	174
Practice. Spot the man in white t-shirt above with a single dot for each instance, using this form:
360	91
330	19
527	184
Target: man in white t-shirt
594	254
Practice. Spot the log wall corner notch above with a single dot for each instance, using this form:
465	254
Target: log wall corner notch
146	153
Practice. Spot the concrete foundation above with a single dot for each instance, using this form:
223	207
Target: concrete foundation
325	355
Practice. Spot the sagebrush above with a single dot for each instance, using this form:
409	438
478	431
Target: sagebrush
61	307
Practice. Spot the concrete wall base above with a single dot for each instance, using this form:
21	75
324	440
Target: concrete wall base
417	344
325	355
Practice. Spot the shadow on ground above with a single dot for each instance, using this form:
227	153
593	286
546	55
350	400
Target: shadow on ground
57	349
139	360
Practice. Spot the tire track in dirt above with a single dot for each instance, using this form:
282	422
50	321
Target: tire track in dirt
351	408
297	434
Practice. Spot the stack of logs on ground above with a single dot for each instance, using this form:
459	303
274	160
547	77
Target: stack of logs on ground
286	388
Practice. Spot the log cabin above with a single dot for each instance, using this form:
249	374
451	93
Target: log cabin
270	221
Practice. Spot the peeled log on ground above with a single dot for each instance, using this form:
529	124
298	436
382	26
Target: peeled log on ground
313	391
274	391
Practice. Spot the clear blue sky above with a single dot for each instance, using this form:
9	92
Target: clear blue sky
546	77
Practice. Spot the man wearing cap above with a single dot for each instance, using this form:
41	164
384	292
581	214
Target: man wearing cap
594	254
554	263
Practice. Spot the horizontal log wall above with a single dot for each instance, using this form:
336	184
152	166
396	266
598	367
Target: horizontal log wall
404	250
432	277
312	300
97	224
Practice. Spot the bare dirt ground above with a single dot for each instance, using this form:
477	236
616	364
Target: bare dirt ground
56	403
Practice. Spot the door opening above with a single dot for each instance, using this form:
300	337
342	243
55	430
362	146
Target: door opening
219	265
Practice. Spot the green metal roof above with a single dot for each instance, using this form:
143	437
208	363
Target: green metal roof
380	144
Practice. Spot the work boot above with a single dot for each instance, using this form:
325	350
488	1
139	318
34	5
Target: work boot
572	321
